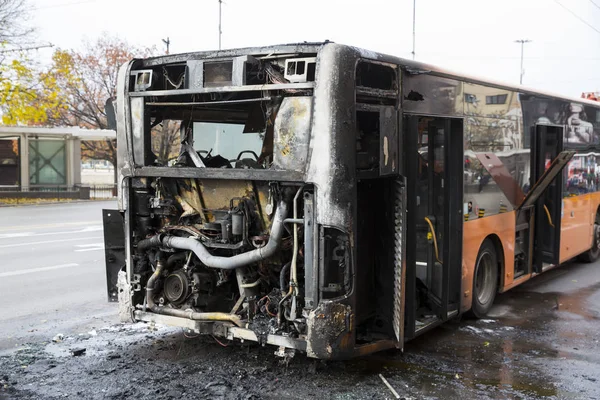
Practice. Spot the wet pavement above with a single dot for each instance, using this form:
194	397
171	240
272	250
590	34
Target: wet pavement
542	340
52	274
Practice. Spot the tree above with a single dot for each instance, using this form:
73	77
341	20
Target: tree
73	92
87	79
166	141
23	92
28	96
13	17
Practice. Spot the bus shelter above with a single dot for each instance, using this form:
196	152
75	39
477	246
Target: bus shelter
37	157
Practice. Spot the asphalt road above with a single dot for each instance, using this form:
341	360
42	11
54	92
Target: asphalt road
52	275
541	340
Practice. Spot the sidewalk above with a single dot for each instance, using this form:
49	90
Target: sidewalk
37	202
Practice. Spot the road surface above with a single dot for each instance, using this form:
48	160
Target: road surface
541	340
52	275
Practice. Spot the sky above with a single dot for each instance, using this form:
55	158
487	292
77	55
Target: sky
475	37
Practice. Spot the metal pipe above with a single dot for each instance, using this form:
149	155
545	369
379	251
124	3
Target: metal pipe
150	284
251	285
145	244
239	260
285	270
293	269
199	316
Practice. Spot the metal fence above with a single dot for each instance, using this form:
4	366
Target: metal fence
103	191
60	192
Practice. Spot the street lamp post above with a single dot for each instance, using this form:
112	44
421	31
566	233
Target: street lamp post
167	43
414	24
522	41
220	31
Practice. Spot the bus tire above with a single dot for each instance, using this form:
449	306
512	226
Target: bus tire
485	280
594	253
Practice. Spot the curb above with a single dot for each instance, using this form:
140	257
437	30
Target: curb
54	203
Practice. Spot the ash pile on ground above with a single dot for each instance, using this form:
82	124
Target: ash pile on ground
469	359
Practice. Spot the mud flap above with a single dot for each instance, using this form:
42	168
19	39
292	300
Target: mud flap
114	248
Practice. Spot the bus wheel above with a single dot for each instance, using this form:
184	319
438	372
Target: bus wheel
485	280
594	253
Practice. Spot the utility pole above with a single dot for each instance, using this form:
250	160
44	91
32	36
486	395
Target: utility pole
167	43
220	31
522	41
414	24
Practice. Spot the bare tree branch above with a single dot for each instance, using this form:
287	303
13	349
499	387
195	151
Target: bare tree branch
14	15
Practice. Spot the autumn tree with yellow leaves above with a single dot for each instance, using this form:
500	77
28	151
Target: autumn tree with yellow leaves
25	94
28	97
73	90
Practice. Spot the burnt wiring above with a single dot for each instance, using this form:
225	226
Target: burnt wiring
190	336
218	341
179	80
265	302
274	75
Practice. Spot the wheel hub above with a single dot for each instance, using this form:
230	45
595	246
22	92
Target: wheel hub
484	280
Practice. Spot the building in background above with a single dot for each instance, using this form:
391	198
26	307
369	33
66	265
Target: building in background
37	157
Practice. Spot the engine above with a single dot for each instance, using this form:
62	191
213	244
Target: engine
214	247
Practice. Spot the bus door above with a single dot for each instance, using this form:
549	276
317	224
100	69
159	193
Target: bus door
434	165
547	144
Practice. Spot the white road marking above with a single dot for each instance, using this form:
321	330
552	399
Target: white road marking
48	241
34	270
92	228
90	247
42	226
16	235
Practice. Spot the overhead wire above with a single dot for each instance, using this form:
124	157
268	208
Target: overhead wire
576	16
591	1
493	58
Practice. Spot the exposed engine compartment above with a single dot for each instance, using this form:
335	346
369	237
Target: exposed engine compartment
220	251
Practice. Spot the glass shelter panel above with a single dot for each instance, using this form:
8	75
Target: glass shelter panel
47	164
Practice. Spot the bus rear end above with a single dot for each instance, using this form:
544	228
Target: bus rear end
236	209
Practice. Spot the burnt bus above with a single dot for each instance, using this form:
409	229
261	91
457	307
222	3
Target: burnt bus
262	196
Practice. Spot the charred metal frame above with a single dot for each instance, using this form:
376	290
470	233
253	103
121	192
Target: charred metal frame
217	173
223	89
